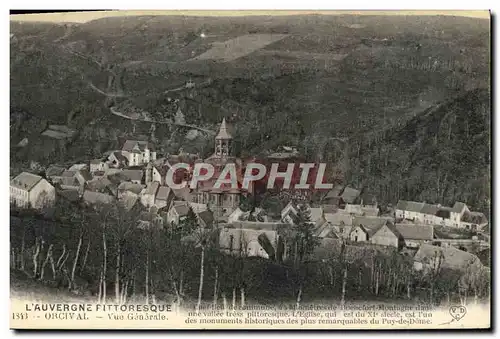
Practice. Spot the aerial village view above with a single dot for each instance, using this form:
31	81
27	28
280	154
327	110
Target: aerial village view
121	127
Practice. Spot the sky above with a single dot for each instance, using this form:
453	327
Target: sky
81	17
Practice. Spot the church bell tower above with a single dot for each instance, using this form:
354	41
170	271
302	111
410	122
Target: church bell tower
223	141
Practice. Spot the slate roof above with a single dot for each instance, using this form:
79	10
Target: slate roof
181	210
120	157
25	181
223	131
339	218
69	181
133	174
129	186
315	213
416	232
85	174
458	207
474	218
393	229
411	206
257	225
401	205
334	192
163	193
369	222
78	167
99	183
96	197
182	193
206	216
369	230
453	258
325	231
349	195
129	145
53	171
68	173
70	195
370	211
152	188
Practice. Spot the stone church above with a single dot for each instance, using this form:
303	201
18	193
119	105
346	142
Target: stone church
224	200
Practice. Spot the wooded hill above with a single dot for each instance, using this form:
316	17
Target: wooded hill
383	82
440	156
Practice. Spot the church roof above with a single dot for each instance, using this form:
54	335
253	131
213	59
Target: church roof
223	131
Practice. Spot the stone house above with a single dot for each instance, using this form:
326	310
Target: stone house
177	212
473	221
138	152
429	214
30	190
129	188
164	197
154	173
360	234
427	255
340	223
456	213
350	195
409	210
248	242
363	228
98	165
416	234
388	235
117	160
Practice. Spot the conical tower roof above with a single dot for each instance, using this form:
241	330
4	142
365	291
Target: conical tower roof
224	131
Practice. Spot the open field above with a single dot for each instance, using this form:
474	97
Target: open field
238	47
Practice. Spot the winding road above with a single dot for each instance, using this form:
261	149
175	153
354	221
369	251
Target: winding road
166	121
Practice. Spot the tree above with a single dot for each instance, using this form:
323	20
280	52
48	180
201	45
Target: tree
304	244
81	219
205	239
247	204
188	224
433	273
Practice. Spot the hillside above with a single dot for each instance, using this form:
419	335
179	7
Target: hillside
440	156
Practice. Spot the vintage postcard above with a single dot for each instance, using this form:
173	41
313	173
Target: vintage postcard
250	170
